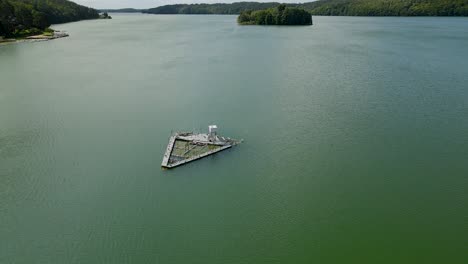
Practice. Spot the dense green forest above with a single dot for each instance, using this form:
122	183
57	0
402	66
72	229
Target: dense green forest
332	8
280	15
388	7
234	8
26	17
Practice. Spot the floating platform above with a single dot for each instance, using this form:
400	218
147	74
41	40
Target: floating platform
184	147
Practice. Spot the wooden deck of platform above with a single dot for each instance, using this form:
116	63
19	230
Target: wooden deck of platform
167	155
172	158
185	161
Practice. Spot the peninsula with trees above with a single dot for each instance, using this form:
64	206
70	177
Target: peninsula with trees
280	16
24	18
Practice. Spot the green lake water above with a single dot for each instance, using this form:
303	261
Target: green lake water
355	151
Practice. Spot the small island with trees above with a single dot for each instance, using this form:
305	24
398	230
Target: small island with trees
280	16
104	15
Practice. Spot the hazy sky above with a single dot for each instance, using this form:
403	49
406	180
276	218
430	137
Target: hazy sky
154	3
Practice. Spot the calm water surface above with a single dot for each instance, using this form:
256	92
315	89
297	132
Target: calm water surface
356	142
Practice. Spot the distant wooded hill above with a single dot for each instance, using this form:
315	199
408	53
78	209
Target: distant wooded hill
25	17
122	10
234	8
332	8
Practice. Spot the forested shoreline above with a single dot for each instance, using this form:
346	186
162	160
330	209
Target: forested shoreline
388	7
20	18
331	8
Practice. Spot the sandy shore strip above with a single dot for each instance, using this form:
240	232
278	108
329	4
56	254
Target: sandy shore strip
42	37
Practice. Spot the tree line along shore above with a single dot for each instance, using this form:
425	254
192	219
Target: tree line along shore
22	18
330	8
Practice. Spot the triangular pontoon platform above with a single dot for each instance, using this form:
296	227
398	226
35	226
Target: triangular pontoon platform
185	147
